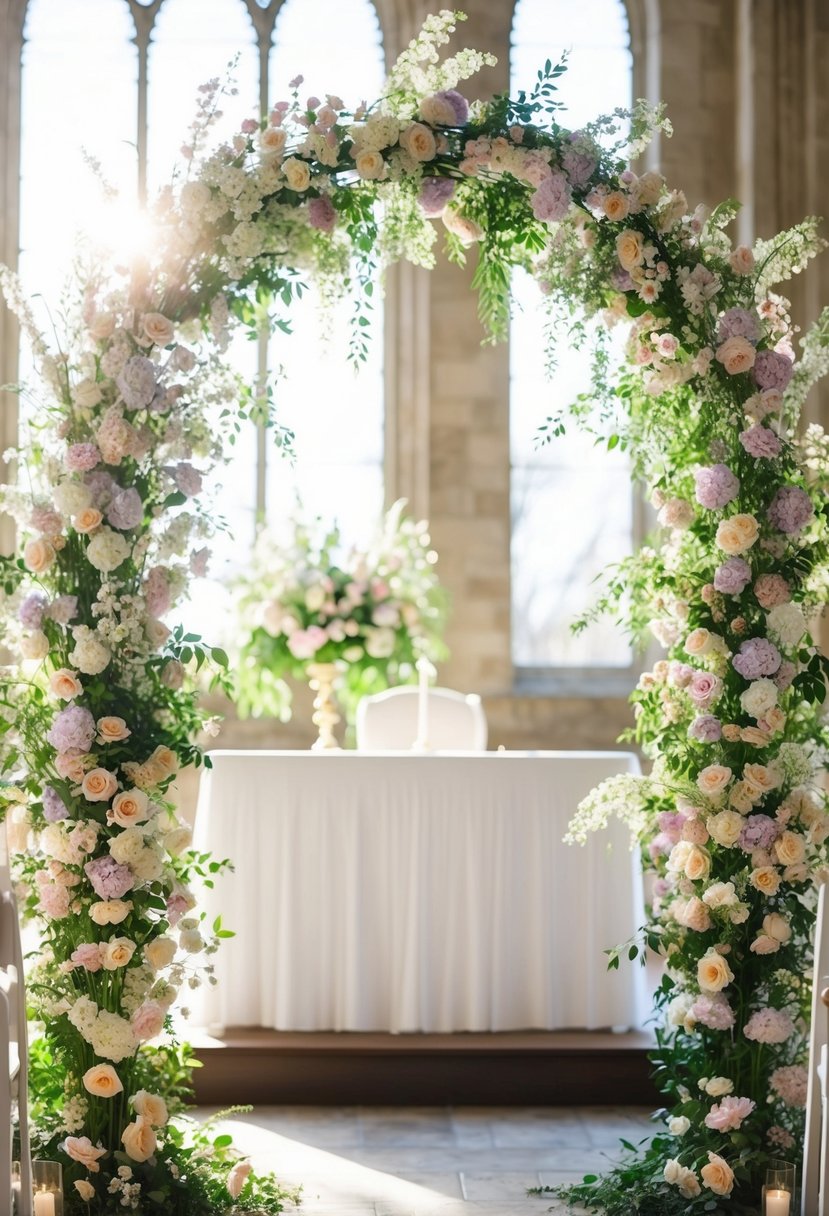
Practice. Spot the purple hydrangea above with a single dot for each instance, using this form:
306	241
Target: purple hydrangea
759	832
110	879
772	370
732	576
54	808
32	610
126	510
81	457
457	104
790	509
716	486
706	729
671	824
322	213
551	201
188	479
757	657
580	159
72	730
63	609
137	382
435	193
102	486
761	442
786	672
738	323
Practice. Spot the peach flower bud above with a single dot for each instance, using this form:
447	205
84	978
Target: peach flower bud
103	1081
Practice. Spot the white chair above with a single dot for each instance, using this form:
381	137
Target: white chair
14	1073
388	721
815	1189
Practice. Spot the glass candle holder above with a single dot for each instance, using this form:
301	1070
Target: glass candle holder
778	1193
47	1184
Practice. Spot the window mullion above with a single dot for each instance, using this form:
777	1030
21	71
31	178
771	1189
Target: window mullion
143	16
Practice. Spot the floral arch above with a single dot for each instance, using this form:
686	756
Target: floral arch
134	407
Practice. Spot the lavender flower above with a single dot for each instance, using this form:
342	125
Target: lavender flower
790	510
102	486
738	323
759	832
54	808
457	104
322	213
63	609
772	370
761	442
732	576
32	610
72	730
126	510
756	658
137	382
716	486
579	161
551	201
110	879
435	193
706	729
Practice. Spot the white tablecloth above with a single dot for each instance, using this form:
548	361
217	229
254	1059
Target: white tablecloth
399	893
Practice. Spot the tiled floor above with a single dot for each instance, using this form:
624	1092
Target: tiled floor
417	1161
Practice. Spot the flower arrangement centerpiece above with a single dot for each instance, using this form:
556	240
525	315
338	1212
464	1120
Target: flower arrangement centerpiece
366	615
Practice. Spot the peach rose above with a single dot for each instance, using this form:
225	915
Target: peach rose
157	328
765	879
741	260
139	1139
87	521
116	953
465	229
694	915
699	641
38	555
159	953
99	785
764	945
110	911
777	926
697	863
754	736
717	1175
713	780
713	972
151	1106
65	684
630	249
790	849
740	797
736	534
736	355
85	1189
103	1081
419	142
616	205
82	1150
70	767
370	166
759	779
112	730
129	807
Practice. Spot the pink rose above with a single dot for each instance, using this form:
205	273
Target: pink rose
148	1020
237	1178
727	1115
304	643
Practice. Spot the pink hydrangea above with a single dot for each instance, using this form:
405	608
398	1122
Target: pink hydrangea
757	657
772	370
790	1084
671	824
769	1026
785	674
157	591
187	479
580	159
733	576
705	729
726	1116
63	609
322	213
87	955
759	832
102	485
54	808
790	509
761	442
81	457
46	520
137	382
551	201
304	643
713	1011
779	1138
54	898
716	486
771	590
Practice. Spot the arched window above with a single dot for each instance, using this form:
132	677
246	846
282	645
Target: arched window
126	97
564	532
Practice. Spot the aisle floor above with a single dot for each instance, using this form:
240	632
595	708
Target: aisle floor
418	1161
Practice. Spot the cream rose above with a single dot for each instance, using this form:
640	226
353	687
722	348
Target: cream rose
720	895
461	226
65	684
103	1081
112	730
129	807
718	1087
419	142
694	915
630	249
790	849
82	1150
370	165
725	827
713	972
164	760
713	780
759	698
776	926
272	141
649	187
98	785
697	863
737	534
139	1140
740	798
86	394
116	953
38	555
297	174
699	641
717	1175
736	355
765	879
741	260
157	328
179	839
102	326
151	1106
616	206
110	911
159	953
34	646
85	1189
679	1125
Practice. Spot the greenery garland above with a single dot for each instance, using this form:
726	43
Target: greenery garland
135	405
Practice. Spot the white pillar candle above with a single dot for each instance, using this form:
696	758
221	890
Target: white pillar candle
45	1203
777	1203
425	671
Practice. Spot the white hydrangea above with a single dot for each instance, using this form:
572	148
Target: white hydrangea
786	625
89	655
759	698
107	550
71	497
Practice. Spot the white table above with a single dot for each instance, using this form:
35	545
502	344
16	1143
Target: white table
399	892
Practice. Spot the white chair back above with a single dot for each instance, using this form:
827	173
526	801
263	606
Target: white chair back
815	1188
388	721
14	1072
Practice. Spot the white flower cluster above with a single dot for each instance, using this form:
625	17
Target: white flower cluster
109	1035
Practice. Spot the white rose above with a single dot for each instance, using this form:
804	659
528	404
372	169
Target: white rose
759	698
71	497
86	394
718	1087
157	328
191	941
720	895
725	828
179	839
127	846
107	550
110	911
34	646
297	174
679	1125
148	865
